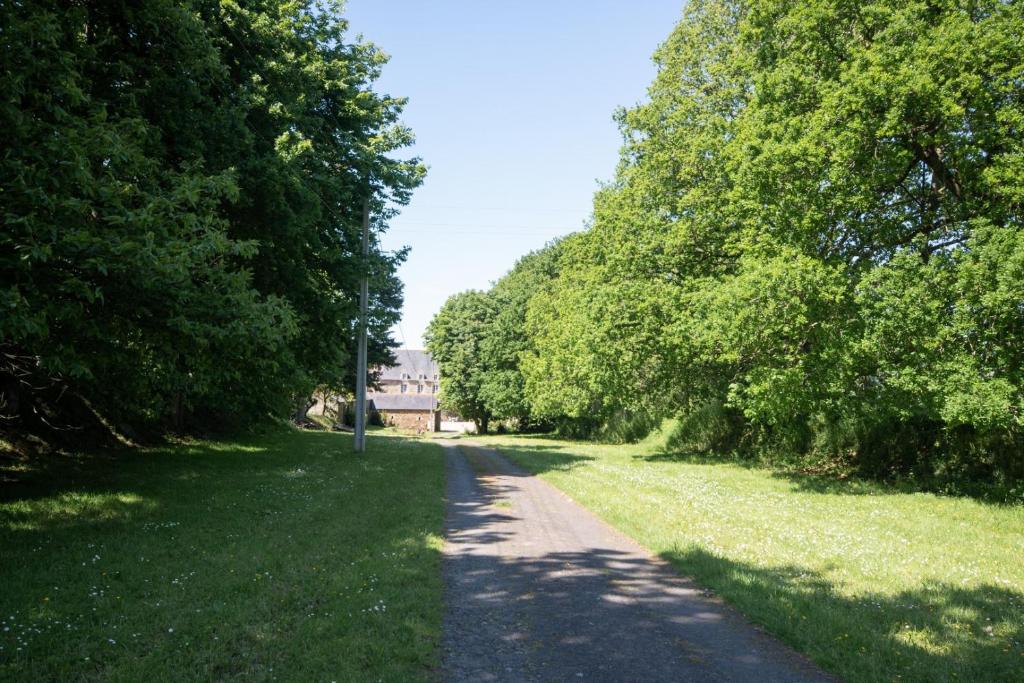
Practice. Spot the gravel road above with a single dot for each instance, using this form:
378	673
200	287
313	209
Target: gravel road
539	589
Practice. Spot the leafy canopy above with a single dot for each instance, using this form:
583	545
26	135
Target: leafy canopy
182	192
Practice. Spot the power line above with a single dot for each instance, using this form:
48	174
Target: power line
402	332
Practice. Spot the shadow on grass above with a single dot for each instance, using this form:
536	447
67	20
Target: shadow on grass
694	458
846	483
530	436
254	551
802	481
845	486
940	631
105	485
540	458
986	493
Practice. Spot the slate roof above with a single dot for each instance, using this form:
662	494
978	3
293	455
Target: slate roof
412	362
402	402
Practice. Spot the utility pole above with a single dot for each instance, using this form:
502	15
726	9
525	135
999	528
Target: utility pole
364	296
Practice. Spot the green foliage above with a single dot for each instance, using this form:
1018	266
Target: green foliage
503	388
478	340
812	248
454	338
182	190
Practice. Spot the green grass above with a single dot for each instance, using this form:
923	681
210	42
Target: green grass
872	583
284	557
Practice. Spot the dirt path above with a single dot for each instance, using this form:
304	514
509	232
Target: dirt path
539	589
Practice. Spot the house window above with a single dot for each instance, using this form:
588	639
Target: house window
433	389
435	378
405	387
419	388
423	376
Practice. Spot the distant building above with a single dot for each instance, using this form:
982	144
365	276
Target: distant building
406	395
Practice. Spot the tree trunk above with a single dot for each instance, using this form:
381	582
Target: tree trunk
302	406
179	411
300	409
10	398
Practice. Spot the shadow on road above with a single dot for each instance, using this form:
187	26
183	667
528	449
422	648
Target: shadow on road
538	458
539	589
600	611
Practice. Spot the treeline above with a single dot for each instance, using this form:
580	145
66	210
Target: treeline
182	190
812	252
478	340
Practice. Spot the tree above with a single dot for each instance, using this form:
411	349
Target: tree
454	338
813	237
183	184
504	343
605	333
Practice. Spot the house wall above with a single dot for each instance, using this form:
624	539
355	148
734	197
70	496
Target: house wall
413	420
395	387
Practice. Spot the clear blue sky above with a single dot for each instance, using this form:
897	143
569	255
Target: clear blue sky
511	104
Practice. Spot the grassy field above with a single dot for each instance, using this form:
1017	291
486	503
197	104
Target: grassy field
285	557
873	584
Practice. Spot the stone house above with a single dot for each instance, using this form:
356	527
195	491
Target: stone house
412	412
414	372
406	393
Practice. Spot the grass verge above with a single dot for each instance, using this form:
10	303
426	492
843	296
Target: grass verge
872	583
284	557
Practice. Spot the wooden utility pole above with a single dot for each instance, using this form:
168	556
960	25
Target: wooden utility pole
361	370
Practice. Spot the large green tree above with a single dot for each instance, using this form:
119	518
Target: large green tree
606	335
182	190
505	342
813	241
479	340
455	338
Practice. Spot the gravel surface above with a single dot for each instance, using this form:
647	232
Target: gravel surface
539	589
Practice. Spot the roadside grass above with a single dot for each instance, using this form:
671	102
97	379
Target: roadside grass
283	557
872	583
423	436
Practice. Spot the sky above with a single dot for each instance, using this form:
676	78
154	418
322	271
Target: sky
512	106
